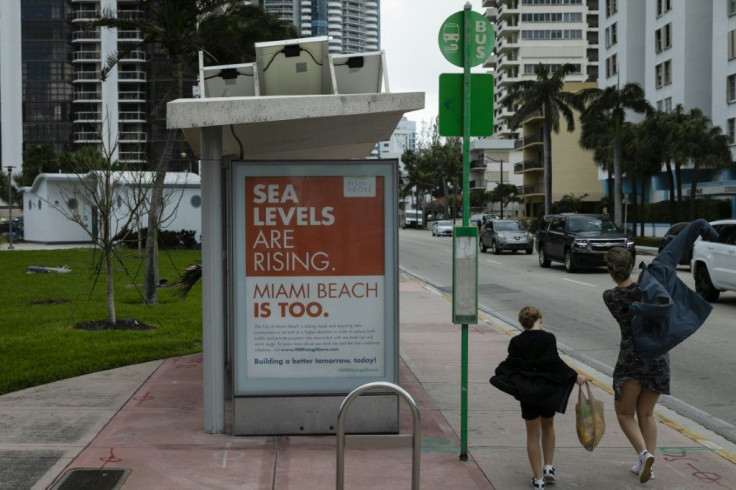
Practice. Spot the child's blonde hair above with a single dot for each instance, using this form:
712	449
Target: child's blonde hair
619	263
528	316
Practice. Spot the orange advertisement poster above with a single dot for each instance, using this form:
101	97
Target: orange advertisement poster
315	261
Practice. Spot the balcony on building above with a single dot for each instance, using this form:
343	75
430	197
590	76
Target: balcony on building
83	36
132	156
510	76
129	36
132	136
533	190
528	165
88	117
504	112
132	116
82	96
131	96
87	137
130	14
132	76
508	10
86	56
528	141
491	14
478	163
507	44
86	76
509	62
136	55
84	14
477	184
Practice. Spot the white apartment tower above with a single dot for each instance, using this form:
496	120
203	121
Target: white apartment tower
353	25
530	32
116	106
681	53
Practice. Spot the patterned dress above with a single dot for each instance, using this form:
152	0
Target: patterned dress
655	374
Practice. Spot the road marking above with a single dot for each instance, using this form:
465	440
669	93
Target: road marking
493	261
578	282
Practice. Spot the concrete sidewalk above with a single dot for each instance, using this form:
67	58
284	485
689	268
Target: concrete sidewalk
147	419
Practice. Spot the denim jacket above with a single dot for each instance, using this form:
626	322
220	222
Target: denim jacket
669	311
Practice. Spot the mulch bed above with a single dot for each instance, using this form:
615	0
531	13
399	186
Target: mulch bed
122	324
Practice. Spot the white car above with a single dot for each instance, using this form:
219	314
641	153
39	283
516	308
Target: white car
714	263
442	228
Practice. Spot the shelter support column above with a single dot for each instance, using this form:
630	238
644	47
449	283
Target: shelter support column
213	281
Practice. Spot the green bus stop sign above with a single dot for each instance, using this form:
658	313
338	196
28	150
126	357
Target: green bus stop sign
452	34
451	104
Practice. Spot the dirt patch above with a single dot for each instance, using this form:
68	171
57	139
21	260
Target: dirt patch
121	324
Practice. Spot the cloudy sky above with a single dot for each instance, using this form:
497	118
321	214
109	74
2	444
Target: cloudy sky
409	30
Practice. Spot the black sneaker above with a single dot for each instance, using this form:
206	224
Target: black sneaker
549	475
537	483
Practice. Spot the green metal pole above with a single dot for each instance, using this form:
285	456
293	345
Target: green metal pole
468	32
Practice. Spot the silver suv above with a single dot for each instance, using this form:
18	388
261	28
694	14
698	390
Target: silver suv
714	263
505	234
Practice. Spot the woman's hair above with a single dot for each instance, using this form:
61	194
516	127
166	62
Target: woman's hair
619	263
528	316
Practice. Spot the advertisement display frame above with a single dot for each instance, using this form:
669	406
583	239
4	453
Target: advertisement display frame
278	207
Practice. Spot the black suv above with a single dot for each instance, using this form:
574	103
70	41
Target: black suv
579	240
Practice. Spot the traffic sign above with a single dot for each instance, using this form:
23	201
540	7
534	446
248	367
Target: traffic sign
452	34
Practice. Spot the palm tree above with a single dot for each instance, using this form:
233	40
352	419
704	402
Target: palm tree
705	145
544	94
649	142
595	135
617	102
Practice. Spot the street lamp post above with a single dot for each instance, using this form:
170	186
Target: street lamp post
10	208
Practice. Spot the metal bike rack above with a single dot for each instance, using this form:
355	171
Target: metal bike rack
375	441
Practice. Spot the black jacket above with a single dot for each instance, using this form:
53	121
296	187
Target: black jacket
533	372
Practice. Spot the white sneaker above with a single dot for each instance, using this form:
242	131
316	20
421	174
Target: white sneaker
548	474
537	484
645	466
635	470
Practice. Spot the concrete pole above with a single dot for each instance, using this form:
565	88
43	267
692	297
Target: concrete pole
213	281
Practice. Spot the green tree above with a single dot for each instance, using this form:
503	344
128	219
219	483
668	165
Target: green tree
705	146
596	135
616	102
38	159
231	38
544	94
649	146
170	26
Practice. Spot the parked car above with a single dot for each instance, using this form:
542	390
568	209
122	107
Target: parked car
714	263
505	234
672	233
579	240
442	228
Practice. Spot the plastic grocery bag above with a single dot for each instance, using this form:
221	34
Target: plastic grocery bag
589	419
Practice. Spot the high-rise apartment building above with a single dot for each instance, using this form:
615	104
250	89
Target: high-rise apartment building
530	32
681	53
353	25
66	103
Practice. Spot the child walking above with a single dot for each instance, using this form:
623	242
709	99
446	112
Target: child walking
536	376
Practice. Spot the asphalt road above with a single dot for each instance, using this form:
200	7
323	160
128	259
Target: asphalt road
702	384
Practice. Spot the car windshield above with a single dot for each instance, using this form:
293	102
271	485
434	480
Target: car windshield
591	224
444	223
509	226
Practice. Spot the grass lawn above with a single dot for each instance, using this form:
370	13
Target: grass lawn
38	343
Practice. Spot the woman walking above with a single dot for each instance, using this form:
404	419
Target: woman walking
636	384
